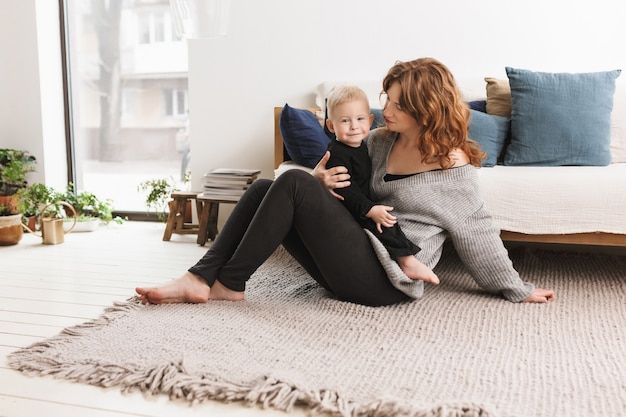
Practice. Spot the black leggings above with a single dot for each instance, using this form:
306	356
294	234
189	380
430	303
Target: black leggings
297	211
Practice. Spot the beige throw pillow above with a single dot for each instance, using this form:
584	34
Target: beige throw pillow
498	97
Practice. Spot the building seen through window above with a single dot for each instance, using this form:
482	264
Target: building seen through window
128	97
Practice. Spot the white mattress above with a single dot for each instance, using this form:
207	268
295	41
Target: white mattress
551	200
556	200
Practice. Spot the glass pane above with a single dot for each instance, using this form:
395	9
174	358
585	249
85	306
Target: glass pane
128	92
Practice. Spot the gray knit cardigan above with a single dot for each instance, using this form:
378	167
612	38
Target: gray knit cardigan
434	205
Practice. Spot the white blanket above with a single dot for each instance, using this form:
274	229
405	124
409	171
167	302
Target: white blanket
556	200
551	200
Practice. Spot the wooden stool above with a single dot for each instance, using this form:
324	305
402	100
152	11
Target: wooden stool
208	208
176	221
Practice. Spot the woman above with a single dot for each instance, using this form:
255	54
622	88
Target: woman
422	165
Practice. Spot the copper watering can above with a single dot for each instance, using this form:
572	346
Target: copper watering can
52	230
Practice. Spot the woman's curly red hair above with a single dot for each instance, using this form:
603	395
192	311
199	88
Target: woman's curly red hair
430	95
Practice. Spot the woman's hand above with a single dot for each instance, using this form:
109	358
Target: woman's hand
336	177
540	295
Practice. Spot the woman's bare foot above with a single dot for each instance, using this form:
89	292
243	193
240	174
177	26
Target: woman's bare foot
220	292
414	269
188	288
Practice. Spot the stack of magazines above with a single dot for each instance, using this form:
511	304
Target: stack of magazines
228	183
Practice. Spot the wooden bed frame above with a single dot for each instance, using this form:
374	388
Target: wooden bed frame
595	239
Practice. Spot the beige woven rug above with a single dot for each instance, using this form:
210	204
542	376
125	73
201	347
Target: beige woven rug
456	352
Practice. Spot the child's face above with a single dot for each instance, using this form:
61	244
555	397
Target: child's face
351	122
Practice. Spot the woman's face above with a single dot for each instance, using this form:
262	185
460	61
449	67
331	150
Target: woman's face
396	119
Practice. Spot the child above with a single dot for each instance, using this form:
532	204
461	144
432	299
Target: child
350	120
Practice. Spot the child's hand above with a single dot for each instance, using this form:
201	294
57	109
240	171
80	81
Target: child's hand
381	216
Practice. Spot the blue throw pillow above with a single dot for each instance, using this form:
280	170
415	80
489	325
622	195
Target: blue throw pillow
480	105
491	133
379	119
560	118
303	136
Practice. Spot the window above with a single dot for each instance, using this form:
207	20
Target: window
175	103
155	26
127	95
128	104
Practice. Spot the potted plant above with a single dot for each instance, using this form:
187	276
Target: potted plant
15	164
90	210
10	225
31	200
158	194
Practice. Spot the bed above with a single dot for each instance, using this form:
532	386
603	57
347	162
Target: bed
577	205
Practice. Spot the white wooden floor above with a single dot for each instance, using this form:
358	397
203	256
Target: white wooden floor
44	288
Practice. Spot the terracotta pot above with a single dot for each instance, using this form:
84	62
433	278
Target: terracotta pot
11	231
32	223
9	201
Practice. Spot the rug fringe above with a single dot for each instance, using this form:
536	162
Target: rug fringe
269	392
170	379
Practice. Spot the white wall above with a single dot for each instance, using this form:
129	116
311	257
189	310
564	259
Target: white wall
278	51
19	83
31	113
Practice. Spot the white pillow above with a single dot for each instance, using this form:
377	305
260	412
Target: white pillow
371	88
472	89
287	165
618	124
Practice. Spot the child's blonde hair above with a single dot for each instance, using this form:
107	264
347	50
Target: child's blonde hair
344	94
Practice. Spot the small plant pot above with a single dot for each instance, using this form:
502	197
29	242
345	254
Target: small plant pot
11	231
31	222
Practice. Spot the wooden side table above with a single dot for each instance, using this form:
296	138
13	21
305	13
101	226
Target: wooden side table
176	218
208	212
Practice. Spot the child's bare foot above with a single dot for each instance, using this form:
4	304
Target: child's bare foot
414	269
